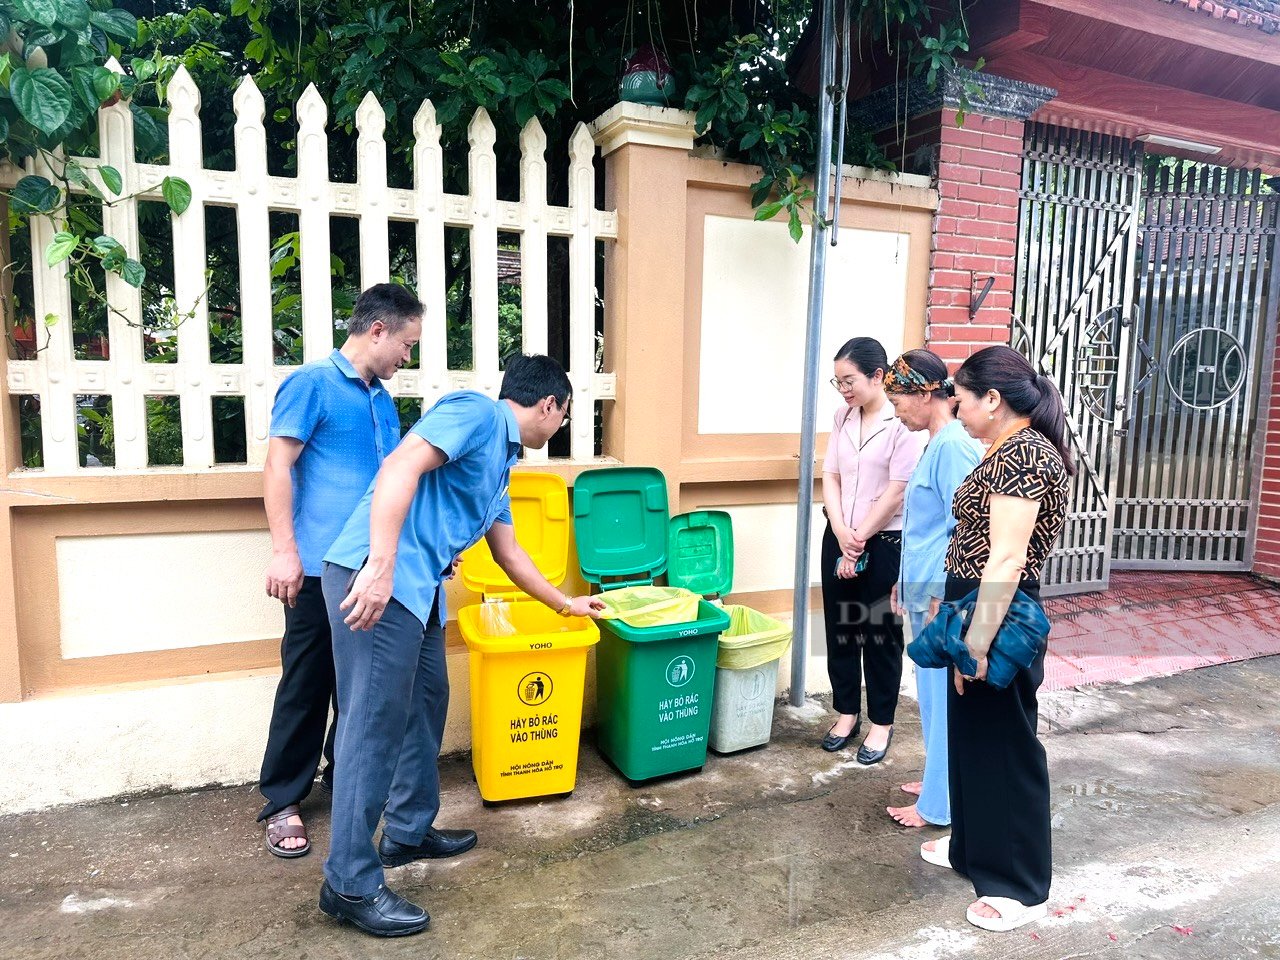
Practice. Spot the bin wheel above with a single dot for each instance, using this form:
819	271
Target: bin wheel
490	804
564	796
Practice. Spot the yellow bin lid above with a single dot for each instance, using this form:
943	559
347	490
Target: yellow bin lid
540	512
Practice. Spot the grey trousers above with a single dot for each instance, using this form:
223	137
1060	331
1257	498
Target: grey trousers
393	695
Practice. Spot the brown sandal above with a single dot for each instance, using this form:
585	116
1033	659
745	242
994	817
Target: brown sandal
278	830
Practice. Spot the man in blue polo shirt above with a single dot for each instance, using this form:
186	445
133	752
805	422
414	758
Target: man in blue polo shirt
332	425
442	489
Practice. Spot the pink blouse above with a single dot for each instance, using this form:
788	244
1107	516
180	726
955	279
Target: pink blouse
889	452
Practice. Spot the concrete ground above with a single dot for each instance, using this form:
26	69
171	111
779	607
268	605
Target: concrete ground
1166	815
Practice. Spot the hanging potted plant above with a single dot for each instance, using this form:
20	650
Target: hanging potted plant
647	78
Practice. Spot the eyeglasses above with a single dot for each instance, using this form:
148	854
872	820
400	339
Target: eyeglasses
566	408
843	384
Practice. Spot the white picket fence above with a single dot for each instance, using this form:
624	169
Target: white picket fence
57	377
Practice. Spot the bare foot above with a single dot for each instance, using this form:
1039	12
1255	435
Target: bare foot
906	816
878	738
292	843
984	909
844	725
915	788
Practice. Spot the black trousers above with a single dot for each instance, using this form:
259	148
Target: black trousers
297	736
999	781
863	635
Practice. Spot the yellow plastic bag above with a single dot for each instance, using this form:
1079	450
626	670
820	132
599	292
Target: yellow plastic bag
752	639
650	606
495	619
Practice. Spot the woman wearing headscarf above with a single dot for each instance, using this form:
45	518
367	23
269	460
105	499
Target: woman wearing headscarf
920	390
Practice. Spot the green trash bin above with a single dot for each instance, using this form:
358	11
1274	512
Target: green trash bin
654	688
653	683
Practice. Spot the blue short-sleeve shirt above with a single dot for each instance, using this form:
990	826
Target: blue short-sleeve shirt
455	504
346	427
928	522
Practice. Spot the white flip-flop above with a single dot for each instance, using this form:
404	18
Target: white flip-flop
1012	914
940	855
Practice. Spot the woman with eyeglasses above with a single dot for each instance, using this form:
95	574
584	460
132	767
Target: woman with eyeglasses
870	457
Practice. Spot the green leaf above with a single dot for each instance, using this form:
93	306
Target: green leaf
60	247
448	111
5	26
113	260
795	226
769	210
133	273
144	70
111	177
706	113
105	83
35	195
148	134
556	88
40	37
4	128
177	194
98	40
103	245
42	97
73	13
37	11
256	49
116	23
519	85
50	319
82	84
453	60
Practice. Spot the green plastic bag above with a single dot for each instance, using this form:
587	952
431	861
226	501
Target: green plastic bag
650	606
752	639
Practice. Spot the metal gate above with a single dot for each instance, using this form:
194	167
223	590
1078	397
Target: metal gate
1204	331
1155	312
1077	238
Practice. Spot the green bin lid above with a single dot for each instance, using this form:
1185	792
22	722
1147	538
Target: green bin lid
620	523
700	552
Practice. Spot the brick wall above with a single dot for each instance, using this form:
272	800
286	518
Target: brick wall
1266	559
979	170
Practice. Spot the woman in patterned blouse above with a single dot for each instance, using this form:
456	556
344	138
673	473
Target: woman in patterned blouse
1009	511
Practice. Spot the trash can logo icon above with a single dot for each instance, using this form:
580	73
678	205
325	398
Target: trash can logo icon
534	689
680	671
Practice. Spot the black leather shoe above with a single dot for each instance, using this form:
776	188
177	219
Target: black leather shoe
833	744
869	757
383	914
326	780
437	845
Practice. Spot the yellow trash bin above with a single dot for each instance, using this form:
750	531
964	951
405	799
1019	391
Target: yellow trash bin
528	663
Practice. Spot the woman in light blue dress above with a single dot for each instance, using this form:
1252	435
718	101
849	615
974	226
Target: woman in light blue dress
920	391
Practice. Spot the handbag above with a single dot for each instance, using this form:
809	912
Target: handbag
1022	634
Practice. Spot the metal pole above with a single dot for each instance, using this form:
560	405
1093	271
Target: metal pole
813	336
